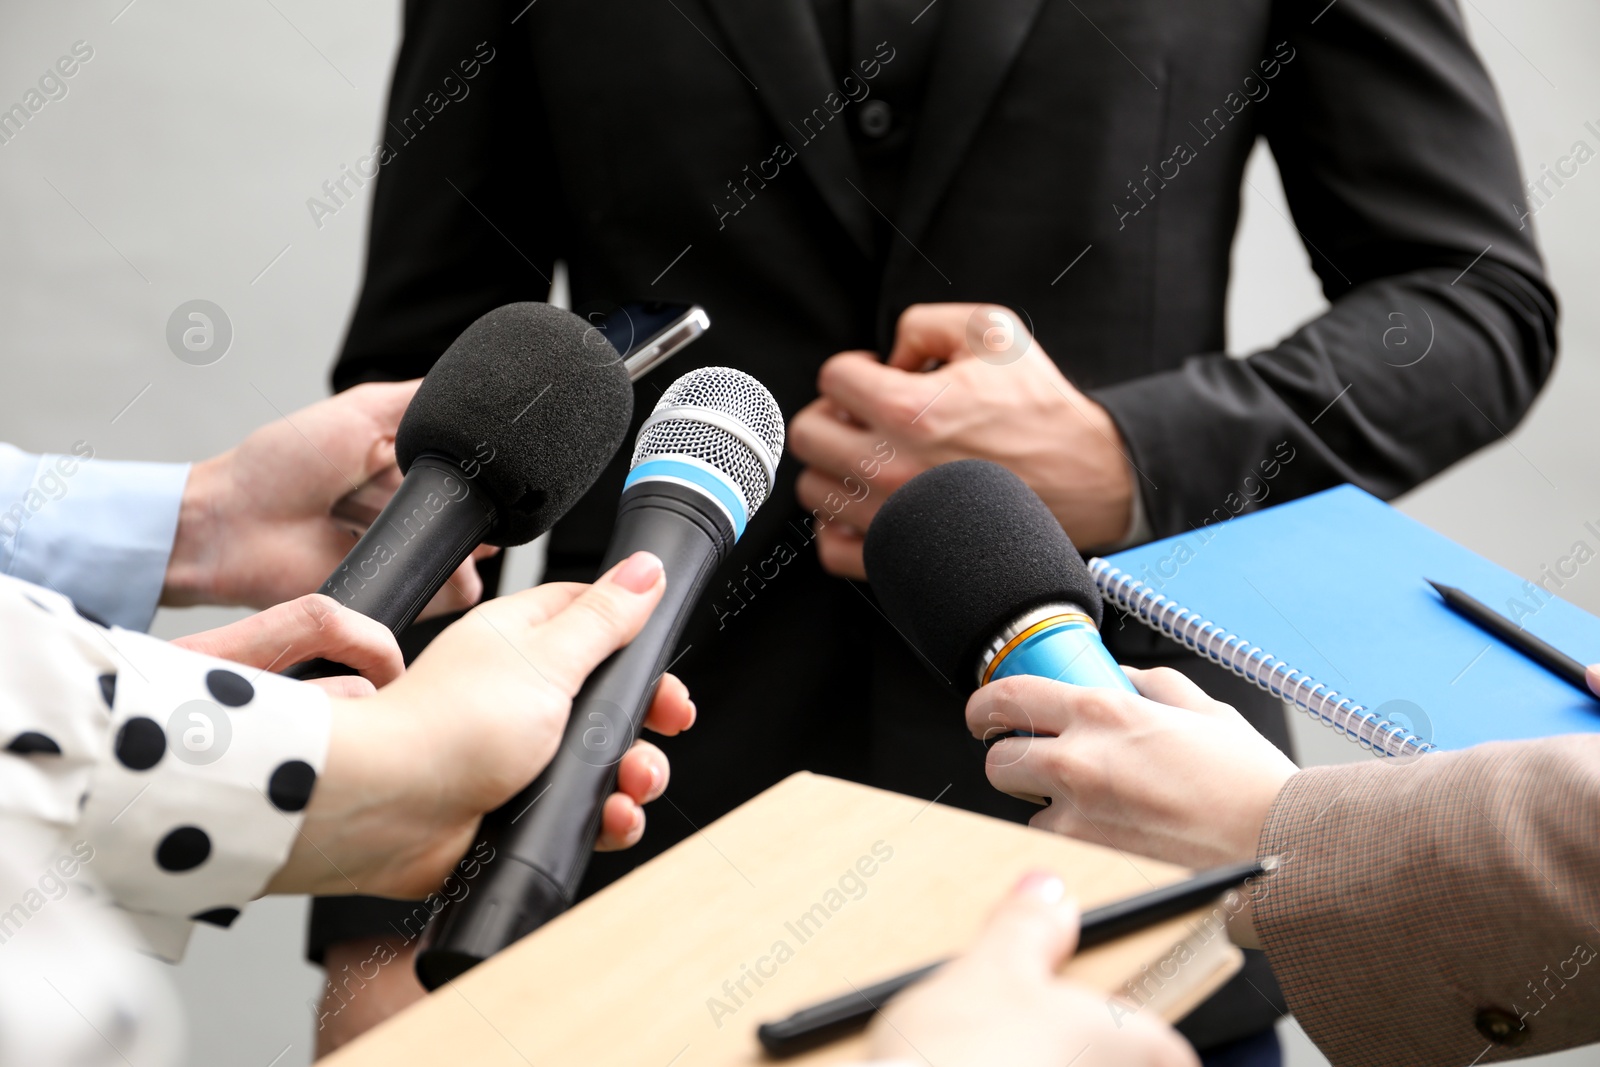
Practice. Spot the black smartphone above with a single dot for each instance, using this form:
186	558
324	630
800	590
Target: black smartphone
648	333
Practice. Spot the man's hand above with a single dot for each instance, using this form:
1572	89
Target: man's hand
1002	1003
412	769
256	525
1171	774
993	394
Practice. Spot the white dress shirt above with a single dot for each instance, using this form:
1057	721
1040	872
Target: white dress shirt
99	531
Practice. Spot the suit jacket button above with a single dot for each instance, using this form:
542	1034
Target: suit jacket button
1501	1027
875	118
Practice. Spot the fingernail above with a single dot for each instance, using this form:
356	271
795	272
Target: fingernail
1042	885
638	573
694	715
655	778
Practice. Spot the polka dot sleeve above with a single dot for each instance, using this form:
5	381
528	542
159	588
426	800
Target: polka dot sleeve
186	774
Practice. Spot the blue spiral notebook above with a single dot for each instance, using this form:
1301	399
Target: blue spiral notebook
1323	601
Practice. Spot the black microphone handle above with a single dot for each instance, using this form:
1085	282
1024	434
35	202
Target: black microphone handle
431	524
543	837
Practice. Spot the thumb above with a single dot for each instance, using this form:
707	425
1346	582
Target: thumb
604	617
1033	931
947	333
354	430
302	629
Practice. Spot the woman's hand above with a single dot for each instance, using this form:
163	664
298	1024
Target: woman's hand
1171	774
308	628
317	626
272	518
1002	1003
412	769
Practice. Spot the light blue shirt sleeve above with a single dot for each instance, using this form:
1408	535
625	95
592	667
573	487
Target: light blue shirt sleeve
99	531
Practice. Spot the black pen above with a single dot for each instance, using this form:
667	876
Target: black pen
821	1023
1497	625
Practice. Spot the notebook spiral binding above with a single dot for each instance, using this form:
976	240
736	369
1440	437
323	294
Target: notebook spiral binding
1251	662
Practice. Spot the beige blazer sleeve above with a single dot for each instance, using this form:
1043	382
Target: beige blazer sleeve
1443	909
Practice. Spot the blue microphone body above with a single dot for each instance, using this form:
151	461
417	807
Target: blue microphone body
1059	642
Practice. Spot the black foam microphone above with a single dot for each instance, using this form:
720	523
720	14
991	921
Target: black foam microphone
511	426
704	462
976	573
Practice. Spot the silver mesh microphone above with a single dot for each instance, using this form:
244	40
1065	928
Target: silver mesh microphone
714	423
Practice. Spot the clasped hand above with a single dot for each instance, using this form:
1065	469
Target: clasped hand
964	381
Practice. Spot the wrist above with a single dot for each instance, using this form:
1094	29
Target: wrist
1120	488
193	575
1242	925
1257	790
1109	481
361	826
1241	920
350	784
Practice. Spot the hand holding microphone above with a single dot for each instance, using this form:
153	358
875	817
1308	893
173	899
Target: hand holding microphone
259	525
1166	772
704	462
976	572
411	769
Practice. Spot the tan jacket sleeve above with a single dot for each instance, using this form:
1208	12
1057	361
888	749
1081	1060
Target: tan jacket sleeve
1443	909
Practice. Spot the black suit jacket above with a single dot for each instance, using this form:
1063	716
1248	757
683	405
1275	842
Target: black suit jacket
608	134
1108	135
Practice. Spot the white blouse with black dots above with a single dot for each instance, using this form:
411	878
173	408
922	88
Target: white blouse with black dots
185	775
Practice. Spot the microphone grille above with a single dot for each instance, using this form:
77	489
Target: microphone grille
723	418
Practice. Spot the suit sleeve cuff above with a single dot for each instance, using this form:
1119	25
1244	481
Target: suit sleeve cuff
1138	518
1197	437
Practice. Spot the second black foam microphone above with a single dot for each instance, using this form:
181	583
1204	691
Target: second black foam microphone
511	426
979	577
704	462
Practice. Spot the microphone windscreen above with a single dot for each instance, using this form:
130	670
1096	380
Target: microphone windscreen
531	402
960	552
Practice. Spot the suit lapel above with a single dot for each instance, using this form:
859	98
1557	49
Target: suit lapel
977	45
779	46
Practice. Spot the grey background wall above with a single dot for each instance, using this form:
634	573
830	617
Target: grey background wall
178	164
